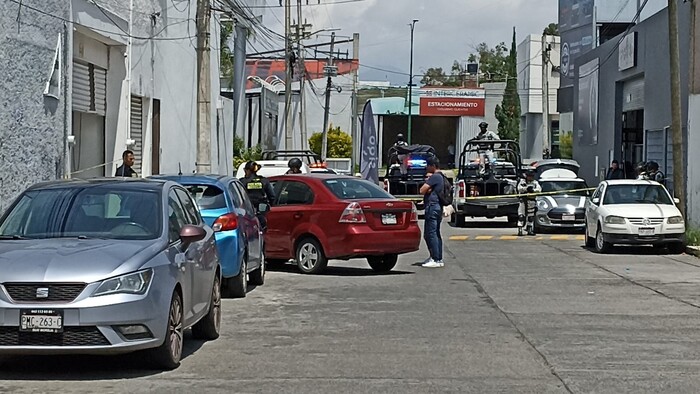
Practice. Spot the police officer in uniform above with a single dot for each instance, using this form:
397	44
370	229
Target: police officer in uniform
294	166
259	189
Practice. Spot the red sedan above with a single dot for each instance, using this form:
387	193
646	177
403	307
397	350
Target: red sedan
318	217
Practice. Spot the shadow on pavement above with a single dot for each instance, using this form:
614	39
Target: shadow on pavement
86	367
635	251
332	270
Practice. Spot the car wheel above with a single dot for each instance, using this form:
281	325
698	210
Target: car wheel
460	220
677	248
310	257
589	241
257	277
167	356
384	263
208	328
600	245
237	287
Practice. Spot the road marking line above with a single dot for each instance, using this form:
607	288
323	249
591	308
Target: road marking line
539	238
484	237
509	237
559	237
580	237
459	238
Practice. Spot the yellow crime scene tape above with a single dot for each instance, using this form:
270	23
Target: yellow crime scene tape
558	192
90	168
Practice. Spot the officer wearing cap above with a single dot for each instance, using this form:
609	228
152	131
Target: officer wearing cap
400	140
485	133
260	190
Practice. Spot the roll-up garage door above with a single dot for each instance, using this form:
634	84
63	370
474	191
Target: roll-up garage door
89	88
137	130
633	95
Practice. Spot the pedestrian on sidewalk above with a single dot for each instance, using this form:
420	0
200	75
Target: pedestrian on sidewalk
433	213
125	169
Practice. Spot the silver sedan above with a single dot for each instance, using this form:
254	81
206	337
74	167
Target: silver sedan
106	266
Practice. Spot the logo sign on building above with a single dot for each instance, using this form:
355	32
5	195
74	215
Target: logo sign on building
452	102
576	31
627	54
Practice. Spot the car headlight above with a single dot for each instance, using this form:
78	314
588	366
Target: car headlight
615	220
675	220
542	204
135	283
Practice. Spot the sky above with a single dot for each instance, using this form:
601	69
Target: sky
447	30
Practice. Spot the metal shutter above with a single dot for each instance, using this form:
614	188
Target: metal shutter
89	88
137	131
633	95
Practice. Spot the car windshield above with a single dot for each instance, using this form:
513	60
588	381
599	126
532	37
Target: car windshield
95	212
356	189
578	187
207	196
636	194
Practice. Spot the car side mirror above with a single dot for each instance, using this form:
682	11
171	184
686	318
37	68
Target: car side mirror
676	200
595	200
263	207
190	234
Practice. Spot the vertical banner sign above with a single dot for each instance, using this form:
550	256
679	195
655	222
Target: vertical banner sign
369	159
587	119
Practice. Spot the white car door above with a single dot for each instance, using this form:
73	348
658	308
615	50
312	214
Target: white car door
592	210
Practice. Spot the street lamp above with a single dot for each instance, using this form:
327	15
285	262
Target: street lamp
410	83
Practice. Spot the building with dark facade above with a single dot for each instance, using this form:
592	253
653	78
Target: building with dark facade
622	98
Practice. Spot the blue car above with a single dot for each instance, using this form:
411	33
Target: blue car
225	206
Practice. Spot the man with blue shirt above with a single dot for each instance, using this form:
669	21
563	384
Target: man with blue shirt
433	213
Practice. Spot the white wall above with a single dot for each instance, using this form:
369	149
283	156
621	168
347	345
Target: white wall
693	171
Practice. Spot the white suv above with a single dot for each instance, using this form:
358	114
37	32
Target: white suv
633	212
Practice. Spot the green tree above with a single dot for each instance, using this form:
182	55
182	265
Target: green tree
226	55
552	29
508	113
339	143
434	76
242	154
493	62
566	145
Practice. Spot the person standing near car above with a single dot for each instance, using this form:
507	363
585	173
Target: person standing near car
125	169
615	172
259	189
433	213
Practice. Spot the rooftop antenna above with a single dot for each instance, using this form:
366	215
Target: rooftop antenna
179	168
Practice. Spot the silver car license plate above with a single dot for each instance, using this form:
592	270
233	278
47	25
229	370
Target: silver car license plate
389	218
492	207
41	320
646	232
568	218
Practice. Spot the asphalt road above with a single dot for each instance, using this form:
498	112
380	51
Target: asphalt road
507	314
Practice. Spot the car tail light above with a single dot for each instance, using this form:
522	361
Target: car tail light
461	189
318	165
386	186
353	214
414	214
226	222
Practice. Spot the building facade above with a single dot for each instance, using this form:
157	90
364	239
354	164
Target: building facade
531	82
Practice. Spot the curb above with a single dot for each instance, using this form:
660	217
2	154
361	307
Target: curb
693	250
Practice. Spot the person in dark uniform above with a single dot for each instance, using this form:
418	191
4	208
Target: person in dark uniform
294	166
125	169
259	189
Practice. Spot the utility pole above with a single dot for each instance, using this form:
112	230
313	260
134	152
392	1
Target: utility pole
330	71
676	118
299	36
288	76
203	164
410	84
355	81
546	143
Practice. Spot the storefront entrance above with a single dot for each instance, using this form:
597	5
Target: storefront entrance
632	137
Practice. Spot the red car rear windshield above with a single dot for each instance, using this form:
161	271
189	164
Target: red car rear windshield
356	189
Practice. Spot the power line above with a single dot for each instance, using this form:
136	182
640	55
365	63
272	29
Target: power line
319	4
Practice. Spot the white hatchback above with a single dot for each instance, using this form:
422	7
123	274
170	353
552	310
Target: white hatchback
633	212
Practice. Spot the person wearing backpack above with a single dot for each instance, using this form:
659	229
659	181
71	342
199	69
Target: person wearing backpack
436	194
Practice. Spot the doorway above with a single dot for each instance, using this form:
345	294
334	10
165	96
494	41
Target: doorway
88	153
155	142
632	137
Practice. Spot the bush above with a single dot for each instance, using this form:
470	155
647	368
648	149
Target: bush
566	145
693	235
339	143
242	155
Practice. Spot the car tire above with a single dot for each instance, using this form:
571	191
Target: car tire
601	246
677	248
383	264
167	356
209	327
257	277
460	220
589	241
310	257
237	287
